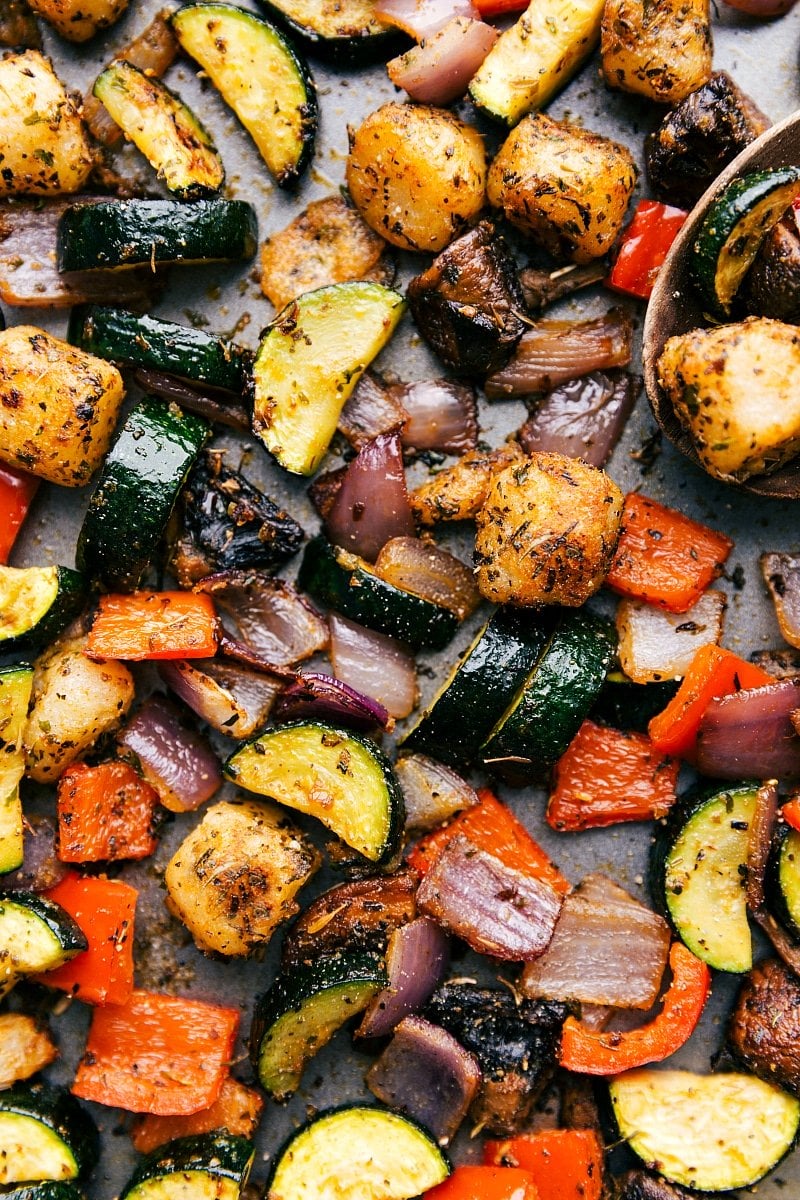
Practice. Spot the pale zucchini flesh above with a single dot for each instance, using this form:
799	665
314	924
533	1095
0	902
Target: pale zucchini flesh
536	57
709	1132
16	684
309	362
32	1150
26	596
188	1185
35	935
789	875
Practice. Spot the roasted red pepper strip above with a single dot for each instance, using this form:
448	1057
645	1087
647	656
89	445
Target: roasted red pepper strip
105	813
159	1054
606	776
664	557
105	911
486	1183
494	8
494	828
566	1164
17	490
713	672
154	625
594	1052
644	246
791	813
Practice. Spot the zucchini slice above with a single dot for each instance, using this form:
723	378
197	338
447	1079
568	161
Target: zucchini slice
121	234
302	1011
628	705
480	687
36	935
36	605
138	487
45	1134
357	1153
163	128
16	685
335	775
261	76
346	32
47	1190
710	1132
783	879
346	583
549	707
310	360
734	228
698	875
146	341
206	1166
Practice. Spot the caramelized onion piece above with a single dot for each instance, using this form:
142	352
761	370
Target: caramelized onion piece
372	408
218	407
758	851
782	576
750	735
439	70
416	962
375	664
322	697
422	18
442	415
432	792
174	760
153	51
272	619
429	571
583	418
656	645
371	504
233	700
551	352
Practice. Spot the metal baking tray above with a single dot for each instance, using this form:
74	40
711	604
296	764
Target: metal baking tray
762	57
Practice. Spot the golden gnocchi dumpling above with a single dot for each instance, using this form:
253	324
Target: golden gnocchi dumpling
44	146
78	20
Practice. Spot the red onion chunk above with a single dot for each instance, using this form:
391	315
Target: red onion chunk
322	697
496	910
416	962
219	407
372	408
422	18
442	415
426	570
270	615
233	700
374	664
371	505
432	792
426	1074
552	352
656	645
41	867
782	576
176	761
439	69
607	949
750	734
583	418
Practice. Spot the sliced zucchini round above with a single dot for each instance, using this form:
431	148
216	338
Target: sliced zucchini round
698	875
47	1190
480	687
783	879
45	1134
35	935
734	228
347	32
138	487
16	685
709	1132
117	234
310	360
36	605
205	1166
357	1153
301	1012
335	775
163	128
347	584
261	76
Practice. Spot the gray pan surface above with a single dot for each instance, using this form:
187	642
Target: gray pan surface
762	56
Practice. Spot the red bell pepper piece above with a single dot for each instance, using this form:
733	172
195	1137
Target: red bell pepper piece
791	813
105	813
17	490
566	1164
237	1108
644	246
713	672
495	8
159	1054
105	911
664	557
595	1052
486	1183
154	625
606	776
494	828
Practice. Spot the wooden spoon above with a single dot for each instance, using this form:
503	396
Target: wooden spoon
675	307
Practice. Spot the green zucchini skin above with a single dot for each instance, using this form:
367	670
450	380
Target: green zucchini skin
135	233
782	880
290	1013
631	706
557	695
68	603
733	229
481	688
357	593
336	34
36	934
60	1113
211	1160
50	1189
340	1145
16	685
137	490
145	341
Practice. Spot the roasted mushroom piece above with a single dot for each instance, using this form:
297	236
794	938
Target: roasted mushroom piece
764	1031
772	285
641	1185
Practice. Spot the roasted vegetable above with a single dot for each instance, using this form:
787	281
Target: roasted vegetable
431	177
566	187
237	1109
763	1030
641	1185
18	28
660	50
458	493
45	1132
206	1164
153	51
771	287
79	20
25	1048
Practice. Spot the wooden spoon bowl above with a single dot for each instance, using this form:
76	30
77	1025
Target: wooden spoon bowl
675	307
